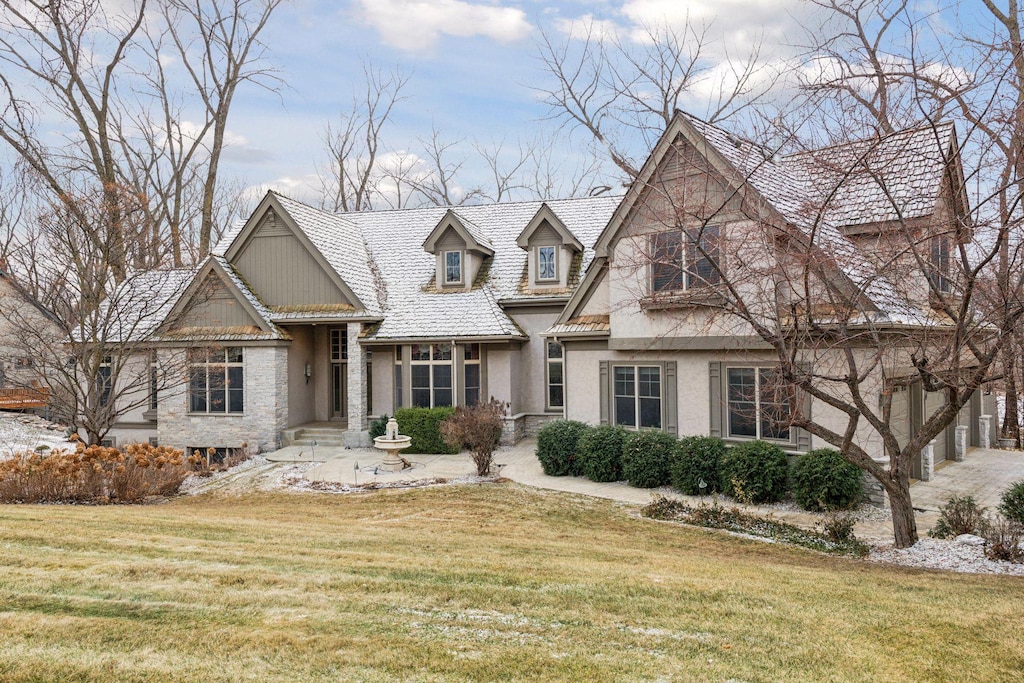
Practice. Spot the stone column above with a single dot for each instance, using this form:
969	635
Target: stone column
960	452
986	431
928	461
358	429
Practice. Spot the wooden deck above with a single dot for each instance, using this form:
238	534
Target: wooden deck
24	398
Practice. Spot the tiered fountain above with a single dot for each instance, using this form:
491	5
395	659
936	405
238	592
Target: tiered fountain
391	443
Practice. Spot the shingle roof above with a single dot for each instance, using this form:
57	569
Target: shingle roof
582	325
797	186
414	309
138	306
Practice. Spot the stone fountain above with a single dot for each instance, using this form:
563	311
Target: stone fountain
391	443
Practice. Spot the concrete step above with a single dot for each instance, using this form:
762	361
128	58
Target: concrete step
308	441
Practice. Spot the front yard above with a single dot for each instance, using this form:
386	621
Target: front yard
467	583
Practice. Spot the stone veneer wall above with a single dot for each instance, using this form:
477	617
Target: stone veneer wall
514	429
266	406
535	422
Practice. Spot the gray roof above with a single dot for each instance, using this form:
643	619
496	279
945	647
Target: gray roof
799	185
379	255
136	307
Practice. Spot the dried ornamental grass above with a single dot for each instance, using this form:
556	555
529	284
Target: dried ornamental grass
93	474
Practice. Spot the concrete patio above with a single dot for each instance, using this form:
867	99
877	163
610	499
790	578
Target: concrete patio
985	474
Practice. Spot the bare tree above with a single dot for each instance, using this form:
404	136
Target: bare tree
622	94
885	60
102	69
350	180
848	317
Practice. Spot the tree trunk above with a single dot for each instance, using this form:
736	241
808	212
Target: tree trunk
1011	420
904	524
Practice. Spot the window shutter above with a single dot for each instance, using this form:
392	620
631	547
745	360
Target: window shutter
605	392
803	437
671	399
715	386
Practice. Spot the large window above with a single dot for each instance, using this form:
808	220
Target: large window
684	259
758	404
154	377
431	375
637	396
452	267
105	381
556	376
547	263
215	380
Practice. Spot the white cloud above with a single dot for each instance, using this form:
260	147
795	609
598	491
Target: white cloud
417	25
587	26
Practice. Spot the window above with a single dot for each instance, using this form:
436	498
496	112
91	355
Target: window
452	267
758	404
471	372
939	264
105	381
398	377
690	263
547	263
431	375
556	377
215	380
637	396
24	362
153	381
339	344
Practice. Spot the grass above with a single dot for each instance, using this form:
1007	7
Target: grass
479	583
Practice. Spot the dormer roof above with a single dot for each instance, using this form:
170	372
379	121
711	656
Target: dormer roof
472	235
545	214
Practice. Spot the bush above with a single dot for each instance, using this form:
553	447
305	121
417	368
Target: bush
478	428
755	472
379	426
696	459
1003	541
423	425
557	445
1012	505
645	458
599	453
823	480
94	474
839	527
960	515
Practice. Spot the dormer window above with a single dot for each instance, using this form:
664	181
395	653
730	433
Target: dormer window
453	267
547	263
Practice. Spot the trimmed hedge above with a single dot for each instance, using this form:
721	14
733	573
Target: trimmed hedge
823	480
755	472
556	447
424	426
379	426
645	458
697	458
1012	505
599	452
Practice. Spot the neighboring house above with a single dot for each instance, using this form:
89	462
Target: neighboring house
584	308
644	344
303	318
23	384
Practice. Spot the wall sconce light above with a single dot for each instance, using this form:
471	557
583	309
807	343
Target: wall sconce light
309	372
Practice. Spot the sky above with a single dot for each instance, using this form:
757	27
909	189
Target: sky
472	65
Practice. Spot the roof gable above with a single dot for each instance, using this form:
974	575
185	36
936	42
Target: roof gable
274	218
214	291
545	216
471	234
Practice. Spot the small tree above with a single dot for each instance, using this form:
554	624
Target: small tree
477	428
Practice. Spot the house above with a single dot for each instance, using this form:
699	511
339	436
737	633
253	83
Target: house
649	339
304	318
600	309
27	331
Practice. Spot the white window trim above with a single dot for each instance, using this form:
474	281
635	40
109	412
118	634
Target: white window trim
548	360
614	417
554	258
462	267
726	426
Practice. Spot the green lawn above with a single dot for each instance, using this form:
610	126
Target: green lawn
493	582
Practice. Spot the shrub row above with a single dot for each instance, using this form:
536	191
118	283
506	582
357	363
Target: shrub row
423	425
752	472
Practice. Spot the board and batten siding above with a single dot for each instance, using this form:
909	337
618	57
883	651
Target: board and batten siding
283	271
215	306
